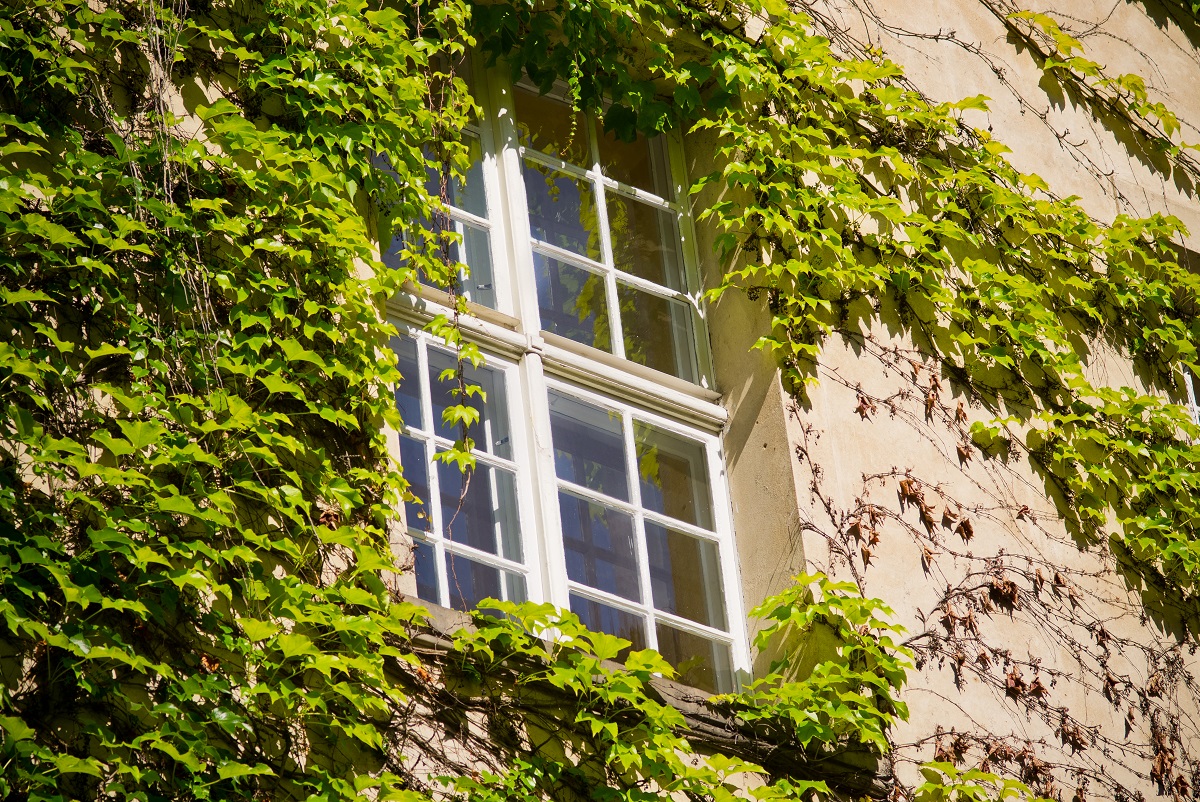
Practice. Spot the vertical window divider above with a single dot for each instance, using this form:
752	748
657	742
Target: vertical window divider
493	190
731	574
690	252
639	527
547	559
433	513
616	331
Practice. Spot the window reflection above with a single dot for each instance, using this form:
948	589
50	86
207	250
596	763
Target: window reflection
408	390
491	433
466	193
599	544
640	163
550	126
658	332
572	302
589	446
416	473
685	575
645	241
480	511
701	663
425	569
600	617
562	210
673	474
470	582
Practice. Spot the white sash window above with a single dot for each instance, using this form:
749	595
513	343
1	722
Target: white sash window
600	484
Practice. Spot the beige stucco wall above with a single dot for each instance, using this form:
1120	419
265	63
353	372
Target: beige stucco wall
1095	626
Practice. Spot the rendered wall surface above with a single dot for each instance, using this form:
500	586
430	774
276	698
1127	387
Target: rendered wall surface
1037	653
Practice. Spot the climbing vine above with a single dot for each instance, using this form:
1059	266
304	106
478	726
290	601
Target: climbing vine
197	505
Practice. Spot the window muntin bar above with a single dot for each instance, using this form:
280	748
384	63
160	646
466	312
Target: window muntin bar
631	495
468	543
588	213
605	261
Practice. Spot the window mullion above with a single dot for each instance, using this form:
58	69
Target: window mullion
639	528
731	575
615	332
677	172
514	222
433	512
547	542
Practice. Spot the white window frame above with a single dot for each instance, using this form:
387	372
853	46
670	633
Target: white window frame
534	362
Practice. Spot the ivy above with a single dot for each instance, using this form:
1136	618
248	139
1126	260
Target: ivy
197	496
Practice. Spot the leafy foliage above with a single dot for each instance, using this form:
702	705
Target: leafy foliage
196	488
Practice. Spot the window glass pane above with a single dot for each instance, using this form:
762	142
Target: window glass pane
481	513
491	433
425	568
645	241
562	210
471	582
466	193
599	545
416	472
640	163
673	474
408	390
589	446
701	663
572	302
685	575
477	283
551	126
603	618
657	332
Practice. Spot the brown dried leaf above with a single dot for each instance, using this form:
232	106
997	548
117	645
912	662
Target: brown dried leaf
1112	687
1014	683
855	529
1164	761
1072	735
866	407
965	529
1004	592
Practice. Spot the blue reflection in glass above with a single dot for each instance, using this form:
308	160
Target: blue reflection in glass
589	446
603	618
599	546
412	459
425	569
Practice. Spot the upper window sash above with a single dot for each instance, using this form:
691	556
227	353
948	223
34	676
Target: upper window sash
608	258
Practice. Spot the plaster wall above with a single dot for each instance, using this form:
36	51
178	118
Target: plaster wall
1110	661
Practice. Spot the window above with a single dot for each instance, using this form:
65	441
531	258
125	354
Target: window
599	484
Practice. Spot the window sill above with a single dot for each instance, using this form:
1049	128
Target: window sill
710	728
566	359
